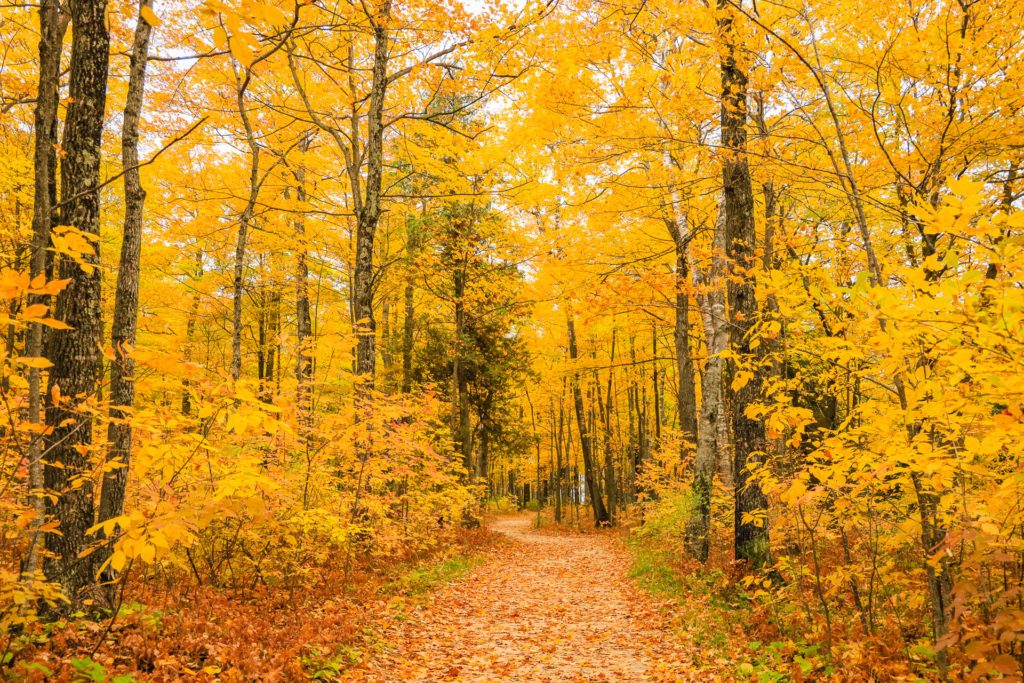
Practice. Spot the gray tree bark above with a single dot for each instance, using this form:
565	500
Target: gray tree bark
712	413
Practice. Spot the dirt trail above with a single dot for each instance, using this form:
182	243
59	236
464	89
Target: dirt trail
544	607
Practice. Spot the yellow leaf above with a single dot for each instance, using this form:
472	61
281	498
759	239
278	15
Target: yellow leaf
241	51
118	560
741	379
34	311
55	324
148	553
220	37
270	13
149	15
35	362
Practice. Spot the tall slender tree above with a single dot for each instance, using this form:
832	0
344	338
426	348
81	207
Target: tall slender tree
601	516
126	296
52	27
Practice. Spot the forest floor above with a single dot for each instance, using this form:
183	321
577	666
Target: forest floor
544	605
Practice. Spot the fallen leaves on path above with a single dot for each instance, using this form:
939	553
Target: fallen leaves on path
543	607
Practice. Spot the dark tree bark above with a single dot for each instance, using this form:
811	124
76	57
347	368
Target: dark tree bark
369	208
261	334
242	80
408	333
75	352
656	381
126	296
605	408
303	319
53	26
190	334
461	380
558	456
601	517
387	355
271	362
412	248
238	280
244	221
686	390
268	335
641	446
751	539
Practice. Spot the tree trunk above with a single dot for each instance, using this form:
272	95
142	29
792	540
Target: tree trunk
272	336
190	333
656	379
412	246
369	211
751	523
461	397
244	221
126	296
75	352
52	25
303	321
686	392
408	332
558	458
601	517
238	281
716	334
609	457
386	355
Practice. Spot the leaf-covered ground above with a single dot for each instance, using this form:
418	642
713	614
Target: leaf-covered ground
544	606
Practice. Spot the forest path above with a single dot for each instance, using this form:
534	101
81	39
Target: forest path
545	606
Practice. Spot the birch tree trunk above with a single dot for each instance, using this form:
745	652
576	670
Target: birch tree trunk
712	413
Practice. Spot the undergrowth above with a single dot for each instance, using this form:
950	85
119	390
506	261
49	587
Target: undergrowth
725	621
317	632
